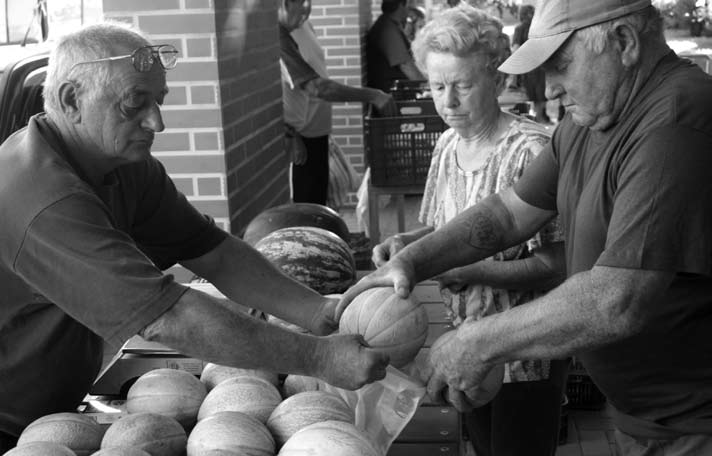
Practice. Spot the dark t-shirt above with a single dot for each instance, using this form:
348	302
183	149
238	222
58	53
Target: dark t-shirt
386	48
80	264
639	196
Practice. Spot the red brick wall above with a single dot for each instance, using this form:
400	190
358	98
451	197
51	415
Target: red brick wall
222	144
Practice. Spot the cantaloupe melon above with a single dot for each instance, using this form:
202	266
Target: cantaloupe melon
294	384
40	449
121	451
388	323
158	435
79	433
304	409
215	373
250	395
491	385
230	434
171	392
329	438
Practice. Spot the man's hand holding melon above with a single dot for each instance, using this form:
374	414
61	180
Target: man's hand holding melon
456	373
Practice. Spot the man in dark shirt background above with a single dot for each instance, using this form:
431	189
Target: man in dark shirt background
388	55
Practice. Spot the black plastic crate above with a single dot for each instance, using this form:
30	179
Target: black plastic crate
583	394
424	107
404	89
399	149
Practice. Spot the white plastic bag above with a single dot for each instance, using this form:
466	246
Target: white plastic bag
385	407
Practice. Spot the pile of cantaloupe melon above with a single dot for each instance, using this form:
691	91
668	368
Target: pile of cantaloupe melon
237	412
226	412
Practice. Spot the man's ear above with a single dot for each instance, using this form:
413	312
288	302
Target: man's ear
628	42
69	102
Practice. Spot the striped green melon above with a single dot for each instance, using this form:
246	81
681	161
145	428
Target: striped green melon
388	323
329	438
303	409
313	256
295	214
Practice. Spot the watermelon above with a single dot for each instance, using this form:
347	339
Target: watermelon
313	256
295	214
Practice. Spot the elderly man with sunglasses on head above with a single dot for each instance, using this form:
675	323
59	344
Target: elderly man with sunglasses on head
90	220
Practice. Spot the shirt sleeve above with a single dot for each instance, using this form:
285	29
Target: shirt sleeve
167	228
662	213
92	271
538	183
300	72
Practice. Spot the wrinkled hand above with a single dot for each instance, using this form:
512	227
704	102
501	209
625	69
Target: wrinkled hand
385	105
452	280
325	321
346	361
386	250
396	273
457	376
297	148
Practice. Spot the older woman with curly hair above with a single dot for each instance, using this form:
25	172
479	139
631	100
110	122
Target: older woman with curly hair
484	151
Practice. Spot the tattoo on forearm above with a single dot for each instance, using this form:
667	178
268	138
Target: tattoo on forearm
483	231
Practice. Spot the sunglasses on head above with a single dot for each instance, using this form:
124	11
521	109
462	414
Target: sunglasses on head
145	57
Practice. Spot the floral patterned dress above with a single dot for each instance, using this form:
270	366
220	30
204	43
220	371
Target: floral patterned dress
449	190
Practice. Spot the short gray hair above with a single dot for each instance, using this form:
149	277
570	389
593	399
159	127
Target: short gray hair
648	22
464	31
91	42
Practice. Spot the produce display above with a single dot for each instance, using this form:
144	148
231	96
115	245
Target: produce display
329	438
251	395
158	435
41	448
387	322
295	214
230	433
215	373
313	256
81	434
171	392
304	409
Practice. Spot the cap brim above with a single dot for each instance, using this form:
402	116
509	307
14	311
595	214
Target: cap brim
533	53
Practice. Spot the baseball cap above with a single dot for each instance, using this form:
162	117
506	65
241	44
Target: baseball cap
554	22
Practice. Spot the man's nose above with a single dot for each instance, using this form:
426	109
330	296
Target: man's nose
154	120
553	89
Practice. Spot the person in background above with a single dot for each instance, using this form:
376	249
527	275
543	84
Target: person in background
532	82
414	22
388	56
484	151
628	173
90	222
310	153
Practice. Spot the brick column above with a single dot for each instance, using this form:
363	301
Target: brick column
223	139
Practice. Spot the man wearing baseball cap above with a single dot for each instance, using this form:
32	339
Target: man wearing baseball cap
628	172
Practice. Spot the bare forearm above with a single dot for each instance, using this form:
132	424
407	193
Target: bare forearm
203	327
589	310
542	271
330	90
245	276
475	234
